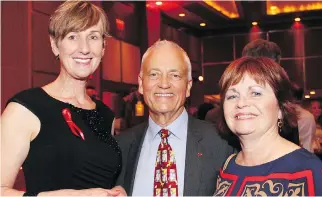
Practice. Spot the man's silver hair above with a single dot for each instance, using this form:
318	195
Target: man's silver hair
161	43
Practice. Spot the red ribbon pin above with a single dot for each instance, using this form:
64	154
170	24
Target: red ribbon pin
73	127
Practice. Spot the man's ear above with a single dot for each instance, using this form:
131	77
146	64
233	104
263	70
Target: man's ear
189	85
54	46
140	83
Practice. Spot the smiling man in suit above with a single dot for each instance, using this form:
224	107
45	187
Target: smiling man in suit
172	153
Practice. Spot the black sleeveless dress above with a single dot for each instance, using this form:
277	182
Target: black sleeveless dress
58	159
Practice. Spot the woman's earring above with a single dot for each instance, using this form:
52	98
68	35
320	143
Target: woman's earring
57	57
280	125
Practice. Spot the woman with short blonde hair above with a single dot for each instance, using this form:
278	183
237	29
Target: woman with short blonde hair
58	133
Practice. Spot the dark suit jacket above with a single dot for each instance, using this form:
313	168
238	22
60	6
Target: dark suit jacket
205	154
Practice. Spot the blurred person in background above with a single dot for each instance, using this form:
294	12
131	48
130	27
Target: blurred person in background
91	92
203	109
263	48
306	123
316	109
135	109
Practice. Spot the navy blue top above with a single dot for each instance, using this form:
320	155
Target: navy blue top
298	173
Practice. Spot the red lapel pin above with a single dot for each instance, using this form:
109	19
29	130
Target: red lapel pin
199	154
73	127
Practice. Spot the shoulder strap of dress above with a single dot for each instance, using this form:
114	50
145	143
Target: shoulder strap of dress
32	99
227	161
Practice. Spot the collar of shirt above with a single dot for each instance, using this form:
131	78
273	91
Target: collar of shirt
174	127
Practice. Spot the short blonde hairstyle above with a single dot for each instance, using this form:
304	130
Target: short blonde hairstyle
76	16
159	44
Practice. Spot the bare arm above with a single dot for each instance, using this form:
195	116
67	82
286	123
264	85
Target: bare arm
18	125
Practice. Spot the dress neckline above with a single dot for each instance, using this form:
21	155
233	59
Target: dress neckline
69	104
241	167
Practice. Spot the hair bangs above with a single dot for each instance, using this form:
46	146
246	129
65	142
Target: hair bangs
236	71
252	70
81	19
76	17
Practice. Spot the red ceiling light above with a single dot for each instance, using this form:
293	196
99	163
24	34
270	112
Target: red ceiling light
297	19
254	23
120	24
163	5
181	14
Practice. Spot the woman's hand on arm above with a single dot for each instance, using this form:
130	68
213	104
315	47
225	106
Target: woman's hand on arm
117	191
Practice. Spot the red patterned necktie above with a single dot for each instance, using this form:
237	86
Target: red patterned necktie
165	173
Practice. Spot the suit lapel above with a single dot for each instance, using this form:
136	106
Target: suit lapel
134	155
193	163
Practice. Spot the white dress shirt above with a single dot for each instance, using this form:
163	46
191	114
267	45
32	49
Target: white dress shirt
307	128
144	177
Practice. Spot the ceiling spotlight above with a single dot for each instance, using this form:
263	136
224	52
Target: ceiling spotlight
200	78
203	24
158	3
273	7
312	92
297	19
307	96
181	14
254	23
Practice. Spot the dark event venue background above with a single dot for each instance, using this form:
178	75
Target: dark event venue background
27	60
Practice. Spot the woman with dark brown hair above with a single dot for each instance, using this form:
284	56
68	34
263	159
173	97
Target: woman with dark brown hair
58	133
316	109
257	106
